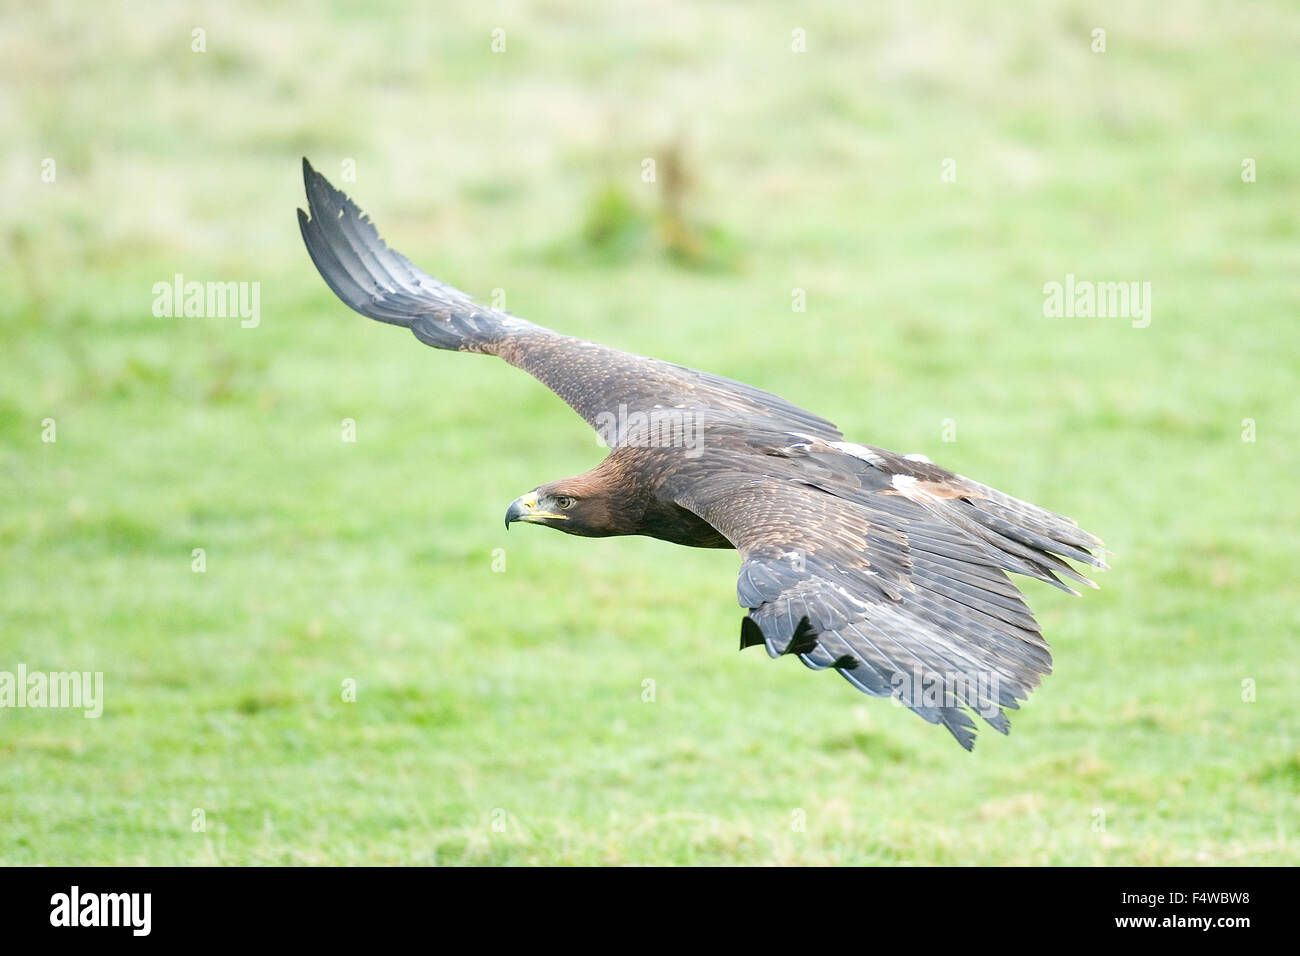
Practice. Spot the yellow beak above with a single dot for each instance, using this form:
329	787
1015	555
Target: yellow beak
524	508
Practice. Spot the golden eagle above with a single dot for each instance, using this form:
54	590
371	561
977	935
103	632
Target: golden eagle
883	567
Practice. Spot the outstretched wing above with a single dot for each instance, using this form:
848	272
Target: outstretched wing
598	382
876	572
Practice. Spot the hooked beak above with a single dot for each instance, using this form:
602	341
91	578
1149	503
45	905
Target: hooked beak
524	508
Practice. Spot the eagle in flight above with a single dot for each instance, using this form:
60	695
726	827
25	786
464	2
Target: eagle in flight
883	567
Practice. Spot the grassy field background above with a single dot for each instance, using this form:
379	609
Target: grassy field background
500	715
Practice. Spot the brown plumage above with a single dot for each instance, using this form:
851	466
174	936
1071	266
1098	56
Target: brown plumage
886	568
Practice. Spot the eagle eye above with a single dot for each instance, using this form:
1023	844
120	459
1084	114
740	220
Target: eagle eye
563	502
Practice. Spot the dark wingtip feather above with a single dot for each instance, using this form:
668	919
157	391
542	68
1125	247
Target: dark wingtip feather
750	633
959	724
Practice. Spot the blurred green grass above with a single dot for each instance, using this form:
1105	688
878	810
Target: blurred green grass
486	697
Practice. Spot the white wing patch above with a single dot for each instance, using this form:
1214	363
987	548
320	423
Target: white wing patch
858	451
